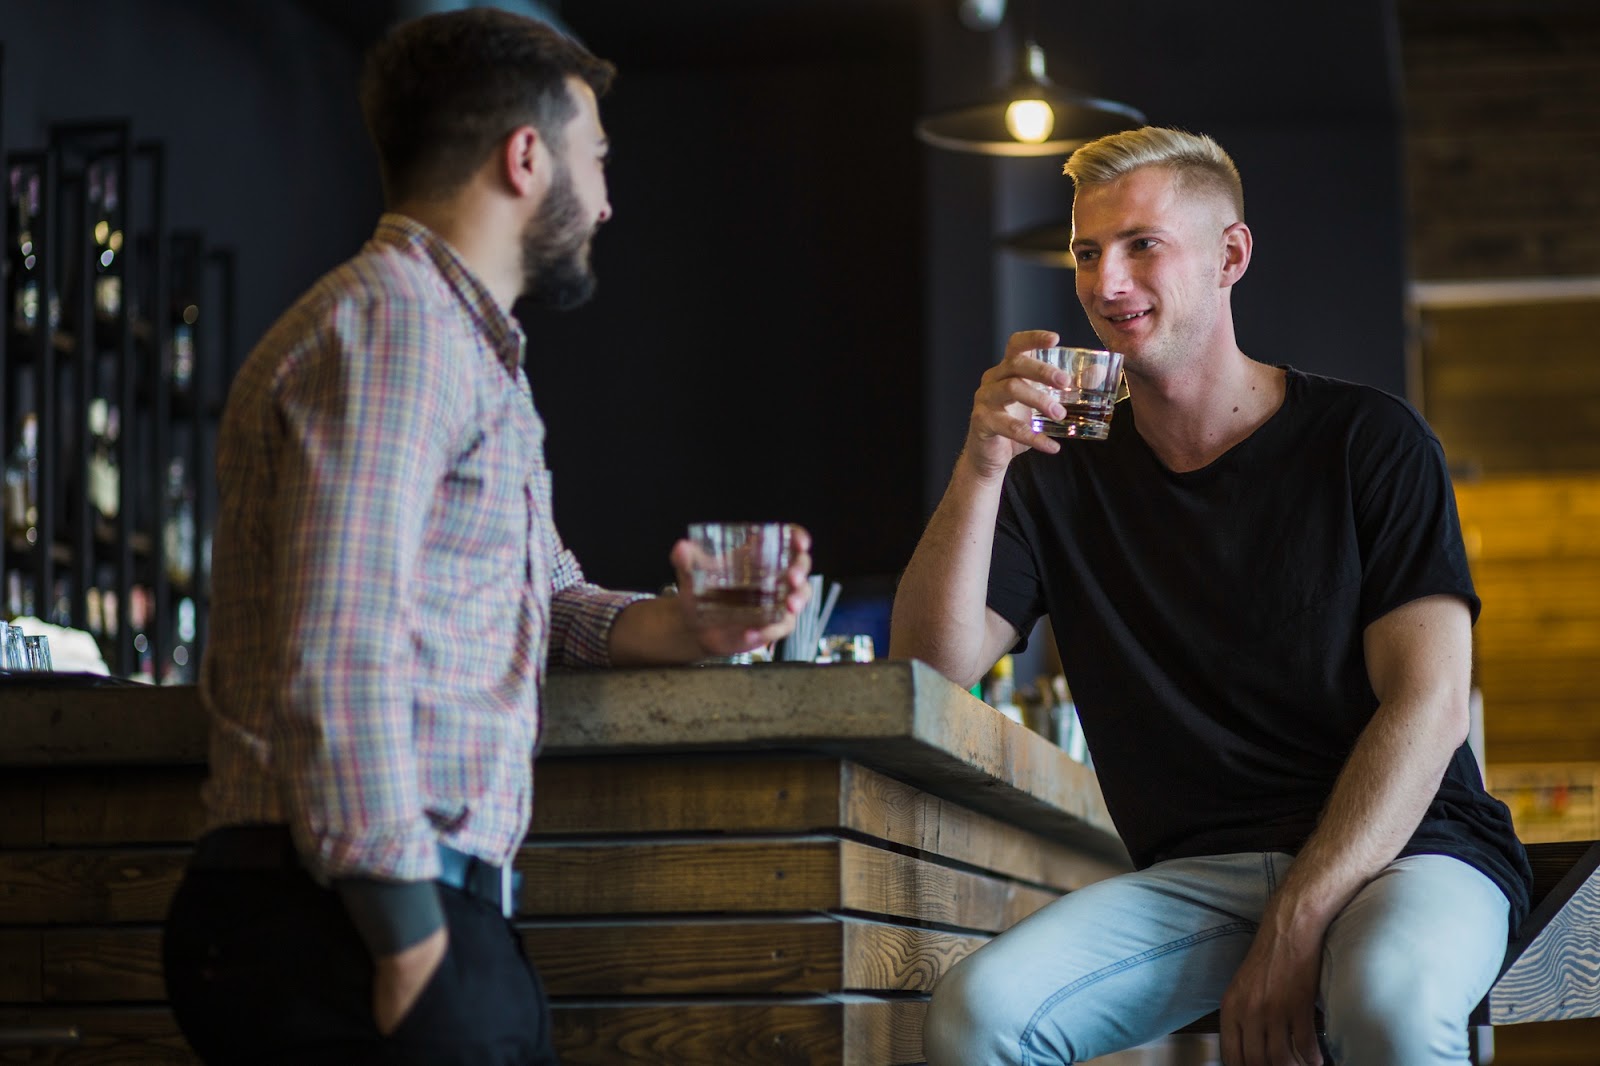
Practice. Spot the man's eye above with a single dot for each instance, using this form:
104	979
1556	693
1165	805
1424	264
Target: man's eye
1084	255
1143	244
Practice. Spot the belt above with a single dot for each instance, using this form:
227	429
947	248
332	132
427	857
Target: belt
269	847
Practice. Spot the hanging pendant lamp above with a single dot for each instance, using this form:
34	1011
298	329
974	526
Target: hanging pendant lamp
1049	244
1029	117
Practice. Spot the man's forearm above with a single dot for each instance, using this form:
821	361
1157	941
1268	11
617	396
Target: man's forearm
1391	777
653	632
940	606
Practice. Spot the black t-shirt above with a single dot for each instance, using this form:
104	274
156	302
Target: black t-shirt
1210	622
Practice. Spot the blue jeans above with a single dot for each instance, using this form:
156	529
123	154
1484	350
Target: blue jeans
1124	961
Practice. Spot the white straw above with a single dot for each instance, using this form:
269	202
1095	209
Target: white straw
827	611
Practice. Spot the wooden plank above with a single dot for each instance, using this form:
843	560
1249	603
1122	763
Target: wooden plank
123	1036
736	793
817	874
883	1033
879	957
739	956
124	805
696	876
745	794
687	956
21	966
838	1031
82	887
880	882
53	725
729	1034
107	965
21	809
1557	974
881	807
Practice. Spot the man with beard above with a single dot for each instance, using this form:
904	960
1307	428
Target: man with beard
1258	589
388	584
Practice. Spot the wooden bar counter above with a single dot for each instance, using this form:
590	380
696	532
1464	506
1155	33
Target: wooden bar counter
767	864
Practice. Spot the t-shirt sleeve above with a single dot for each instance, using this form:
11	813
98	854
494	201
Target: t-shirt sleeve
1016	587
1409	532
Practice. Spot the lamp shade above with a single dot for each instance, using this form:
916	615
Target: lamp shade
1049	244
1029	117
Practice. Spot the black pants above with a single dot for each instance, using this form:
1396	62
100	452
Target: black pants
264	967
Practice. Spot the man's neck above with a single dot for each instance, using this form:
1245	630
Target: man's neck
1191	418
478	238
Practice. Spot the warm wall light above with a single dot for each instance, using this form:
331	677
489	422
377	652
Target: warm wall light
1029	117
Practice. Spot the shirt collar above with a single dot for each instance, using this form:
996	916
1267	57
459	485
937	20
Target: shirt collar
502	330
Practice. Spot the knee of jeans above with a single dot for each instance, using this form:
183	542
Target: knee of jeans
974	1017
1401	1021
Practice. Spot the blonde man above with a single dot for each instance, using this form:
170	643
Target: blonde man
1260	597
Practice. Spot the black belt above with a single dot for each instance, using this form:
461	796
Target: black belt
269	847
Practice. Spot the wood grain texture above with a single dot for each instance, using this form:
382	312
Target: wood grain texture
124	805
880	957
839	1031
682	956
21	966
1557	974
680	876
818	874
740	956
102	965
901	718
81	887
131	1036
52	726
879	806
878	882
741	793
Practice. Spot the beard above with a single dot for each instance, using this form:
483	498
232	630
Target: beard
555	249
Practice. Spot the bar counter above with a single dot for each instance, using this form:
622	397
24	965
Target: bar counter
727	865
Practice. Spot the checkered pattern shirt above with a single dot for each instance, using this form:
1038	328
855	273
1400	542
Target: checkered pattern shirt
387	579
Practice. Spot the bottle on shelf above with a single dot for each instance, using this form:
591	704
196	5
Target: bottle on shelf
105	209
105	478
24	253
139	602
1000	689
183	326
22	483
177	539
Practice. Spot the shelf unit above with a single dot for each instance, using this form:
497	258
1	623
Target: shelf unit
115	350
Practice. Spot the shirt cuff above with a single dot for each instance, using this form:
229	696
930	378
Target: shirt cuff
581	616
390	916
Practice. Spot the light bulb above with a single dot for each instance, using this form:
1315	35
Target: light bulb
1030	121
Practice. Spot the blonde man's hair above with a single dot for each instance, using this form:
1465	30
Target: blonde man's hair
1197	162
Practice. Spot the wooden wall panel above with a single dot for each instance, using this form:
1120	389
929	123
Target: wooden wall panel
1514	389
1502	137
1534	544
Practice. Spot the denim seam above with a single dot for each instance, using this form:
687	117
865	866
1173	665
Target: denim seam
1107	971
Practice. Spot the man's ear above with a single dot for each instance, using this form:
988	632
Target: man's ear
525	161
1237	242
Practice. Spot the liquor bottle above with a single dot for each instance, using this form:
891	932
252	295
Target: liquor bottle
183	321
22	483
105	207
24	254
177	539
139	601
1000	691
105	478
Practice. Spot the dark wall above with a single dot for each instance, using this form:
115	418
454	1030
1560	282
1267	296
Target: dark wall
254	101
755	347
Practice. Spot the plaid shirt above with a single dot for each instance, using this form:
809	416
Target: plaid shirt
387	577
